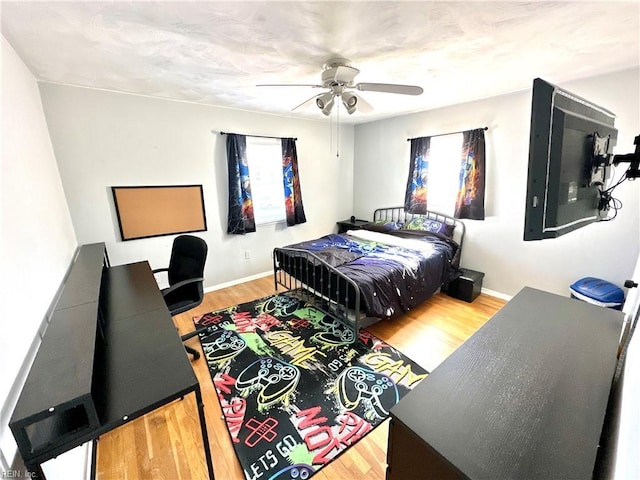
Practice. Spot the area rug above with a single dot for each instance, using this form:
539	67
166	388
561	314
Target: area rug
294	389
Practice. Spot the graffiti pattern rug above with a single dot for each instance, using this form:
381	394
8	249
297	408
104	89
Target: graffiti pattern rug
294	389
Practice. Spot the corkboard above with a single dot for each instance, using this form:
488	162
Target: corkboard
152	211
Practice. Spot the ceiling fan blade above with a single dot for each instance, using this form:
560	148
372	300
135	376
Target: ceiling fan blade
363	105
389	88
288	85
306	102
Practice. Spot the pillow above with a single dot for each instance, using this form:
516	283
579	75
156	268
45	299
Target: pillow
429	225
383	226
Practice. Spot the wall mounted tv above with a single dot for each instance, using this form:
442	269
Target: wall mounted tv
570	146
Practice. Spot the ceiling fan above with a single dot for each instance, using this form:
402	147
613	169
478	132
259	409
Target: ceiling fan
337	78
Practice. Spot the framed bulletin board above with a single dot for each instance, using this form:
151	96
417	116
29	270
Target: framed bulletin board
152	211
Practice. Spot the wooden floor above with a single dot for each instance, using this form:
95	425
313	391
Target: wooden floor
167	443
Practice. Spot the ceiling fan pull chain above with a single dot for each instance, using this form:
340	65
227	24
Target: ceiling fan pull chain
338	131
330	133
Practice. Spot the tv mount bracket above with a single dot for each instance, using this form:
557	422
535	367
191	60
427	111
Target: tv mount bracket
632	158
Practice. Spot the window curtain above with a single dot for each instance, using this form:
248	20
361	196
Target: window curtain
240	219
415	200
470	199
291	179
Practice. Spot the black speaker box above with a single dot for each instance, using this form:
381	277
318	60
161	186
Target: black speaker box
467	286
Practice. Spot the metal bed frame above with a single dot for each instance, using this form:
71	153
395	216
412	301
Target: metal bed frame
333	292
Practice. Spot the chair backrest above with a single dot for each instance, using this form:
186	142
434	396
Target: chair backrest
188	256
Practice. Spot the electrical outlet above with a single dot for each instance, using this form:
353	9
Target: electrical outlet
247	254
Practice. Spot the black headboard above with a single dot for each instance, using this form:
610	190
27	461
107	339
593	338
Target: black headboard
397	214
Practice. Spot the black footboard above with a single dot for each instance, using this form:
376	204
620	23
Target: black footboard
332	291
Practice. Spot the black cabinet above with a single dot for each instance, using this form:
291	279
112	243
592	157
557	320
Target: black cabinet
56	405
524	397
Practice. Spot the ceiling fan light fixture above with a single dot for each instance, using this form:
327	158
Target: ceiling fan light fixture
349	100
337	76
325	102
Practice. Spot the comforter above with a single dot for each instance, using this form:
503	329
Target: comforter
394	271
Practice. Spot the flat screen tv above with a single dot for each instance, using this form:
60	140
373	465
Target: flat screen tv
570	146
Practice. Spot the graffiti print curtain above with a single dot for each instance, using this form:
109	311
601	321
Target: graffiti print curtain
416	194
470	200
240	218
292	193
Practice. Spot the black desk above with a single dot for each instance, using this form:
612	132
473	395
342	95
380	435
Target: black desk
143	364
523	398
134	364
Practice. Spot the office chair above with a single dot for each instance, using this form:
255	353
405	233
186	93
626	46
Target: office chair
185	275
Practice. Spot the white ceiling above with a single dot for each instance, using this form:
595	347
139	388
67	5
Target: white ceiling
216	52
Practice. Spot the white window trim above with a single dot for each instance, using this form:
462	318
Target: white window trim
270	190
443	181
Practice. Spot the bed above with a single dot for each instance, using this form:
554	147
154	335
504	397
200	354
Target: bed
381	270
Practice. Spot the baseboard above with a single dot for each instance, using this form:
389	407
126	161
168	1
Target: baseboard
232	283
493	293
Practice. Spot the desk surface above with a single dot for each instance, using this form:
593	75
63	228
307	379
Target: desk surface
143	363
525	397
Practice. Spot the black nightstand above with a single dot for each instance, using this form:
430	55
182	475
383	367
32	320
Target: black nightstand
345	225
467	286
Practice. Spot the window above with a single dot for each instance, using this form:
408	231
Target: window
452	167
444	173
264	156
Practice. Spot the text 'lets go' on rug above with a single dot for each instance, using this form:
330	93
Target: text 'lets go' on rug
294	388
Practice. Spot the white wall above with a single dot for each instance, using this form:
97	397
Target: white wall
607	250
626	425
37	241
103	139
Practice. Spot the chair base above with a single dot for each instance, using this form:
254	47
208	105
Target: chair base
187	336
192	351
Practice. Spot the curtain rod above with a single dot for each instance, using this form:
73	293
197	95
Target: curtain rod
257	136
450	133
